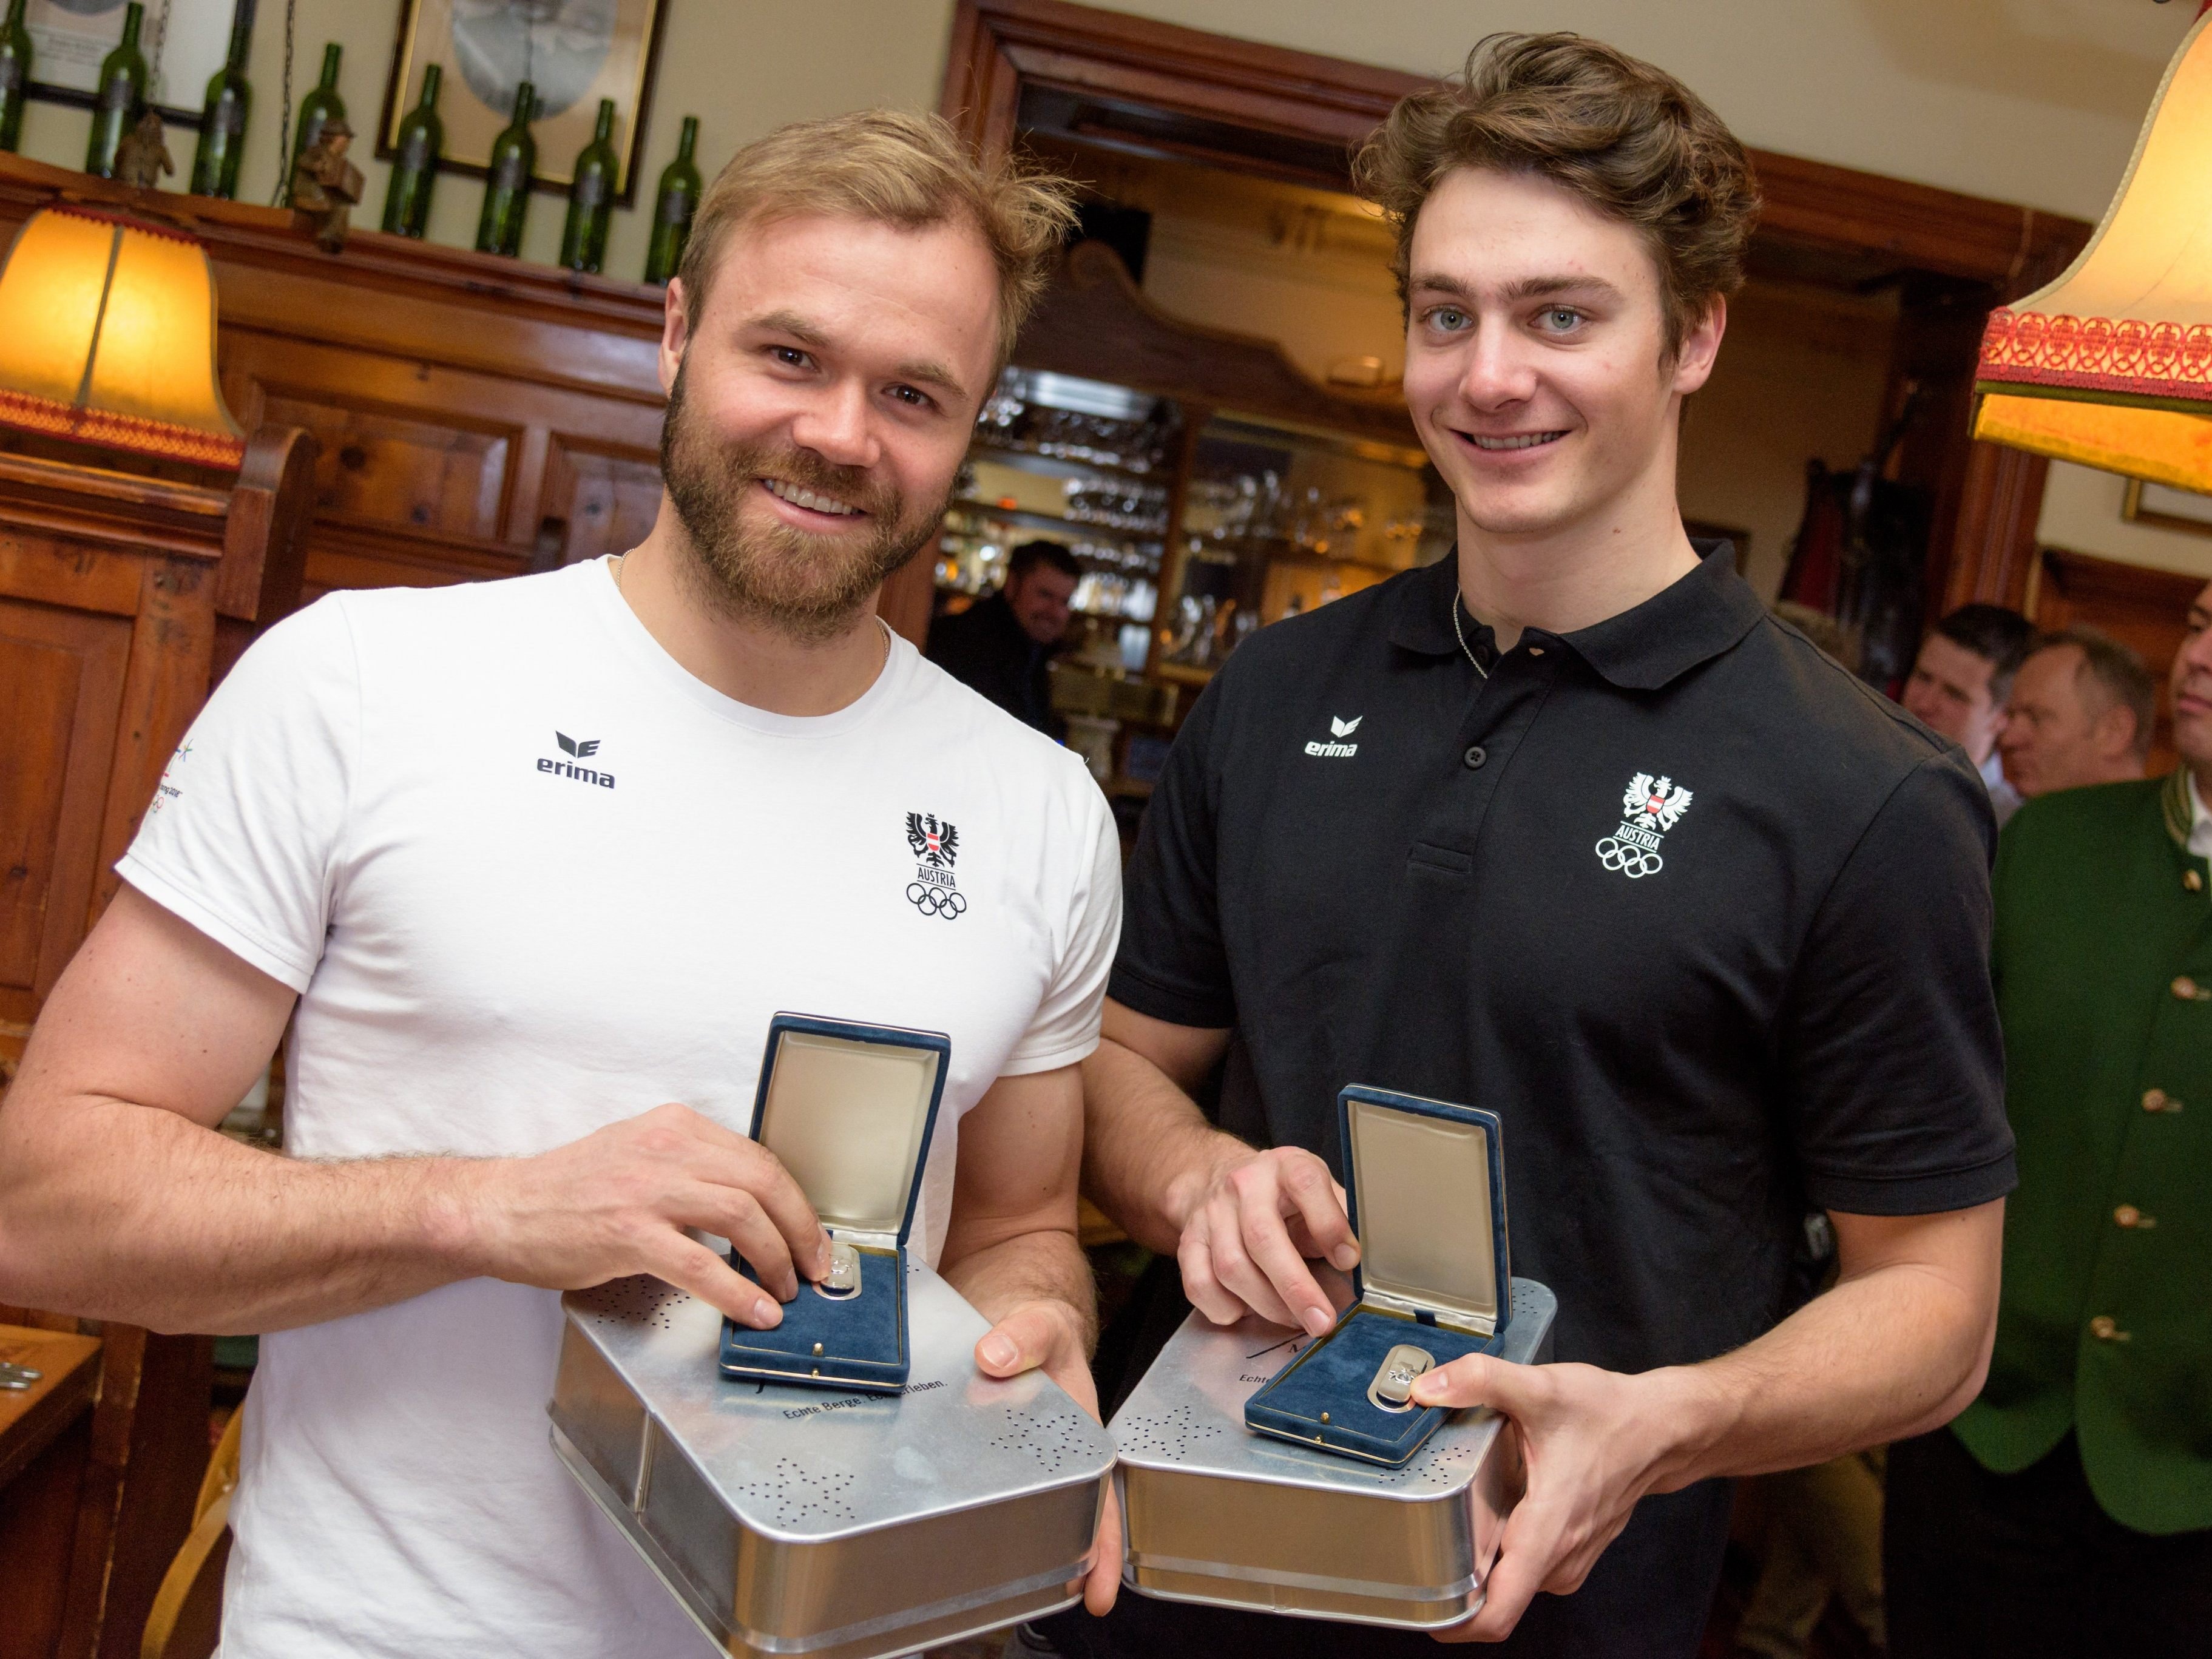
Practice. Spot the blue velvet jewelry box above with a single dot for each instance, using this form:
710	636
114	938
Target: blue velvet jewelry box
1424	1186
848	1109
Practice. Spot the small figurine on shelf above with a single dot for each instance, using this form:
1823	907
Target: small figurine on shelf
325	185
143	155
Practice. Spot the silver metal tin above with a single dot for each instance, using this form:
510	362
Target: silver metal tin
1220	1515
854	1526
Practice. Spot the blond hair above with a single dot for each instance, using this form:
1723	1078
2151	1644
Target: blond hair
893	168
1628	138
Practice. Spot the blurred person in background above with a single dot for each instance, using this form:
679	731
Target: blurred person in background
1000	645
2068	1512
1961	681
2081	712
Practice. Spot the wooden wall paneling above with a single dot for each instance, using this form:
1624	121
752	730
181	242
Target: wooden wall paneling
379	463
1992	545
1993	549
265	540
172	659
604	498
344	553
150	1448
38	1516
61	680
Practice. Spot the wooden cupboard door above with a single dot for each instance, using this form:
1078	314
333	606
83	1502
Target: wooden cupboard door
606	497
62	683
393	468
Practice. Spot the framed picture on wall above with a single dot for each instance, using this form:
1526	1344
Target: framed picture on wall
2166	508
574	52
69	38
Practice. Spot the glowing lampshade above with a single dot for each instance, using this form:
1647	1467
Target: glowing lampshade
2111	365
107	337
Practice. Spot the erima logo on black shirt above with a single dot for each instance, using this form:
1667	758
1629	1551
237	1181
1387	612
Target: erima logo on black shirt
567	768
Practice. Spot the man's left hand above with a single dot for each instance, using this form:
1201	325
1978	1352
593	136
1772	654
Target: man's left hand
1595	1442
1047	1336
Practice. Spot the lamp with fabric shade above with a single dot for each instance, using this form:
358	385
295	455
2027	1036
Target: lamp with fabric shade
107	337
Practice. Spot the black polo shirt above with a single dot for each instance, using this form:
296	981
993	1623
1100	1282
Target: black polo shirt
1704	919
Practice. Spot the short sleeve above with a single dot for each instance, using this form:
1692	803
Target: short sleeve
1173	964
1066	1028
241	839
1893	1063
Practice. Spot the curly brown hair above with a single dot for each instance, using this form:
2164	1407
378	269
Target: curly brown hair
895	168
1629	139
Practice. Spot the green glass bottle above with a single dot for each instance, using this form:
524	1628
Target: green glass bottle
676	200
506	180
14	74
592	197
223	118
118	97
421	142
321	105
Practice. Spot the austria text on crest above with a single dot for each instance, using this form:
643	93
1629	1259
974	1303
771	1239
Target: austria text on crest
1649	809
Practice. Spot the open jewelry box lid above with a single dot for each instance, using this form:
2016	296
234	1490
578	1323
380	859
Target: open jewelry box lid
848	1109
1425	1186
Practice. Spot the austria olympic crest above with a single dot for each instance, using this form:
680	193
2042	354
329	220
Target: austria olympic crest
936	845
1649	808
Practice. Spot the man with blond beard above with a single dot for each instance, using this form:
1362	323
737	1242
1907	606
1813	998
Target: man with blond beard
531	864
2067	1513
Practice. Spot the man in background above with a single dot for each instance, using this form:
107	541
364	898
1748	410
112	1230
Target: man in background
999	645
2081	712
2068	1509
1960	683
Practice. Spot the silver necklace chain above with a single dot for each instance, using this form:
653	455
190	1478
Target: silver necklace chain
1460	635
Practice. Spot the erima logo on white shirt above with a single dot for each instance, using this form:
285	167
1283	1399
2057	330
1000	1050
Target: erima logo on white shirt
579	749
1339	730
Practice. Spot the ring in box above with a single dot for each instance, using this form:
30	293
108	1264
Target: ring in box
1425	1192
848	1109
788	1520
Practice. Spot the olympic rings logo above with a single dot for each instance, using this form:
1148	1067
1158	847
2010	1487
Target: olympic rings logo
1631	860
934	901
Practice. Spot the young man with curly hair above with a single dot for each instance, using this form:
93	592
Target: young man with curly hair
528	866
1615	854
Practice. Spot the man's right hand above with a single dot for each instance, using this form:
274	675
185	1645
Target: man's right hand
618	1201
1253	1222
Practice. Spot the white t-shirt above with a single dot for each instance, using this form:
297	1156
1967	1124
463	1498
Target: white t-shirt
530	877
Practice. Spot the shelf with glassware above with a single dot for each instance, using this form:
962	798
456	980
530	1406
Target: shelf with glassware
1085	465
1278	519
1244	520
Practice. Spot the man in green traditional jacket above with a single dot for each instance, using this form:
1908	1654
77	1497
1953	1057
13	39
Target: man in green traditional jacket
2068	1509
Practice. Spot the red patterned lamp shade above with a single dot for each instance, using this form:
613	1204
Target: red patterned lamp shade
107	337
2111	365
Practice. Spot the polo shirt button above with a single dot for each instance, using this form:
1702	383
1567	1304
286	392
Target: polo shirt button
2127	1216
2106	1328
2192	881
1474	757
2157	1100
2185	988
